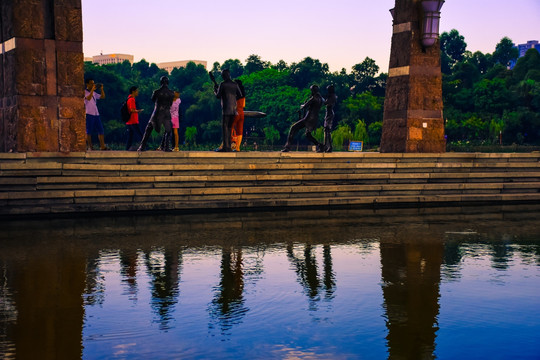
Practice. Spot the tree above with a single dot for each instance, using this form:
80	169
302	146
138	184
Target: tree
505	52
235	67
271	135
375	132
280	66
362	106
531	61
363	75
308	72
254	64
341	135
453	48
191	136
492	96
360	132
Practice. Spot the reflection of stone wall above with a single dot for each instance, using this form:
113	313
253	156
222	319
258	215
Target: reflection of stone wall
41	78
413	118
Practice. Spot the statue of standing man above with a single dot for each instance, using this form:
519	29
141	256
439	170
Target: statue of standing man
163	99
228	91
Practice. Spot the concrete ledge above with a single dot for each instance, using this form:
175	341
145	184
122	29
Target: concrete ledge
49	183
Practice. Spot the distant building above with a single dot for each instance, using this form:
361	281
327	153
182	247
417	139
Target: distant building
169	66
88	59
111	59
533	44
523	48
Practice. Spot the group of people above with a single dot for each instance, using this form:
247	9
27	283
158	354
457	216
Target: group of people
167	113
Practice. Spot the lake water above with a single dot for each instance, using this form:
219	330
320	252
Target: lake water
452	283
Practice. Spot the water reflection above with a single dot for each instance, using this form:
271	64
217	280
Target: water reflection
307	272
410	283
228	307
56	274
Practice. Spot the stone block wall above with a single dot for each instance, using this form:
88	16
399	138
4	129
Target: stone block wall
41	76
413	108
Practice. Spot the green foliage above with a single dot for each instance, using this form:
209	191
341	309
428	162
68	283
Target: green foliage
505	52
360	132
271	135
319	134
341	137
375	132
191	136
453	48
362	106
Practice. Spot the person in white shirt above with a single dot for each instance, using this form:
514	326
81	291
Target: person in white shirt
93	121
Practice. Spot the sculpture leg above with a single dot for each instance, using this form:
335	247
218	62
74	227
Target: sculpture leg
146	136
167	141
314	141
226	124
327	140
292	133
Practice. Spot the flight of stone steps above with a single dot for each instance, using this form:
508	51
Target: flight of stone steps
119	181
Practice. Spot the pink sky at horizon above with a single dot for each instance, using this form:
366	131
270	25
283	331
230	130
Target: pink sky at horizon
341	34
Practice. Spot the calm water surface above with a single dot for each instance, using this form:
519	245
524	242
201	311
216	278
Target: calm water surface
344	284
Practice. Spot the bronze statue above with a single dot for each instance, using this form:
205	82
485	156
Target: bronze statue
309	121
163	98
228	91
330	102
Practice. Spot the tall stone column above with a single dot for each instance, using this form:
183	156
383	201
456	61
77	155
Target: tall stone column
413	106
41	76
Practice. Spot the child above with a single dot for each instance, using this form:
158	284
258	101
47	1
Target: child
175	117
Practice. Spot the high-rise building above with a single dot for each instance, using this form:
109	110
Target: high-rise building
523	48
532	44
169	66
111	59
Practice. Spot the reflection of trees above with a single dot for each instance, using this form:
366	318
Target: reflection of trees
128	271
228	307
164	269
94	292
411	277
502	249
8	313
308	273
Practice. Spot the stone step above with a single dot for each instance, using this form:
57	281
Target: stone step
34	183
196	157
124	205
236	192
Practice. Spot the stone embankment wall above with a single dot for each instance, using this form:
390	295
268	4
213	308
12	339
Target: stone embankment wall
79	183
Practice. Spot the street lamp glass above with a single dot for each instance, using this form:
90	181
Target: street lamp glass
430	27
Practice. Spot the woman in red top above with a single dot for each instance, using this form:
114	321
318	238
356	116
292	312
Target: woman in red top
238	124
133	122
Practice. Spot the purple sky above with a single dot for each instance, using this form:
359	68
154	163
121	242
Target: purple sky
339	32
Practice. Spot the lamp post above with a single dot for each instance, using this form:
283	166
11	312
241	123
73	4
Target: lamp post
430	25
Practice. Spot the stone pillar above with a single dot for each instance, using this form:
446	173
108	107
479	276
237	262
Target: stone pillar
41	76
413	107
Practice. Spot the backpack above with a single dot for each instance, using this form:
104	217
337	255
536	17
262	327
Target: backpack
125	114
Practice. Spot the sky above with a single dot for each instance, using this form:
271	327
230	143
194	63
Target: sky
341	33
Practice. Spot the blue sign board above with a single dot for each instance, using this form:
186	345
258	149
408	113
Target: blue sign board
356	145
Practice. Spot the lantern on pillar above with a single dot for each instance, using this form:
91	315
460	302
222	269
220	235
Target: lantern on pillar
430	25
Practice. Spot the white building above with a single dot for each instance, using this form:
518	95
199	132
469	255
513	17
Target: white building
111	59
169	66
